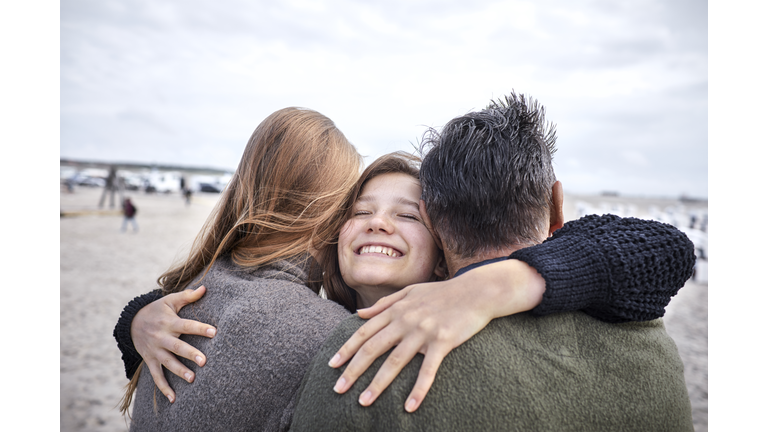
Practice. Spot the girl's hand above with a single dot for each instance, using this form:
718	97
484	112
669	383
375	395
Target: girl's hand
155	332
432	319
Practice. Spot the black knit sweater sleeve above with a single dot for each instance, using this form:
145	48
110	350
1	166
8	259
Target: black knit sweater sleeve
122	332
614	269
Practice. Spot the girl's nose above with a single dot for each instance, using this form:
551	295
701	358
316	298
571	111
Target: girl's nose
380	223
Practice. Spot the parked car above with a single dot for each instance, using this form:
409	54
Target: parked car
209	187
84	180
163	182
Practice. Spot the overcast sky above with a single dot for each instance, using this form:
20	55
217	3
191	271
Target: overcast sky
186	82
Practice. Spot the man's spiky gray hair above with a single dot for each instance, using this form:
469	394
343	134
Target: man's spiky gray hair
487	176
532	108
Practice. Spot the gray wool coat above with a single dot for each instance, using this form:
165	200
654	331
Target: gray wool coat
270	326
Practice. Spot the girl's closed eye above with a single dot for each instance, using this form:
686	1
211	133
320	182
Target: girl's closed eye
410	216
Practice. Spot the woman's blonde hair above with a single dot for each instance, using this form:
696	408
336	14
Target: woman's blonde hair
287	197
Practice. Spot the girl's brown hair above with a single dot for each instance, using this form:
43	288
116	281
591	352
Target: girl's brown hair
287	197
333	284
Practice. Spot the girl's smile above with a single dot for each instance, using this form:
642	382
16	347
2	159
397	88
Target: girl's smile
384	246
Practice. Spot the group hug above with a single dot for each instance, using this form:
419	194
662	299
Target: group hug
436	291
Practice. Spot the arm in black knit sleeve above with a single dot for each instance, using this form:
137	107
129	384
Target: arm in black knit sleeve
614	269
122	332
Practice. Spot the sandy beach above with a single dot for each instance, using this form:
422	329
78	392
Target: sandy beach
102	268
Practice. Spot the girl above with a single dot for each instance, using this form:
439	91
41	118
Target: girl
384	245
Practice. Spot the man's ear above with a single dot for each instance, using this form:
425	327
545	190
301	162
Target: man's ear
556	218
441	268
428	224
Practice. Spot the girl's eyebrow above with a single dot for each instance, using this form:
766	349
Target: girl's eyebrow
400	200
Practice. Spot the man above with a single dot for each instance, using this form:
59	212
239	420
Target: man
490	191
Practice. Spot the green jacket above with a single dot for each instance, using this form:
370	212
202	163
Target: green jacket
561	372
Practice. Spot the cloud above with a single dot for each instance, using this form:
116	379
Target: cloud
634	157
192	80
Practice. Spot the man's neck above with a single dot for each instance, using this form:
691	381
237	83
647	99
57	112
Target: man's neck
456	263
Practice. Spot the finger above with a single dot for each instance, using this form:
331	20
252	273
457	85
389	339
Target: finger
156	370
182	298
363	359
397	359
356	341
183	349
382	304
432	361
192	327
177	368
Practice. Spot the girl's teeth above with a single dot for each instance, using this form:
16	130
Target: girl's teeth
379	249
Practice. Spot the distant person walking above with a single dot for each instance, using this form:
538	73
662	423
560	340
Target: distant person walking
129	211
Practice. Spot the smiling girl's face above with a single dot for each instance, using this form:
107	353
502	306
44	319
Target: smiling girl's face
384	246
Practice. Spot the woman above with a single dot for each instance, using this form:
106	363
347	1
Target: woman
285	198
